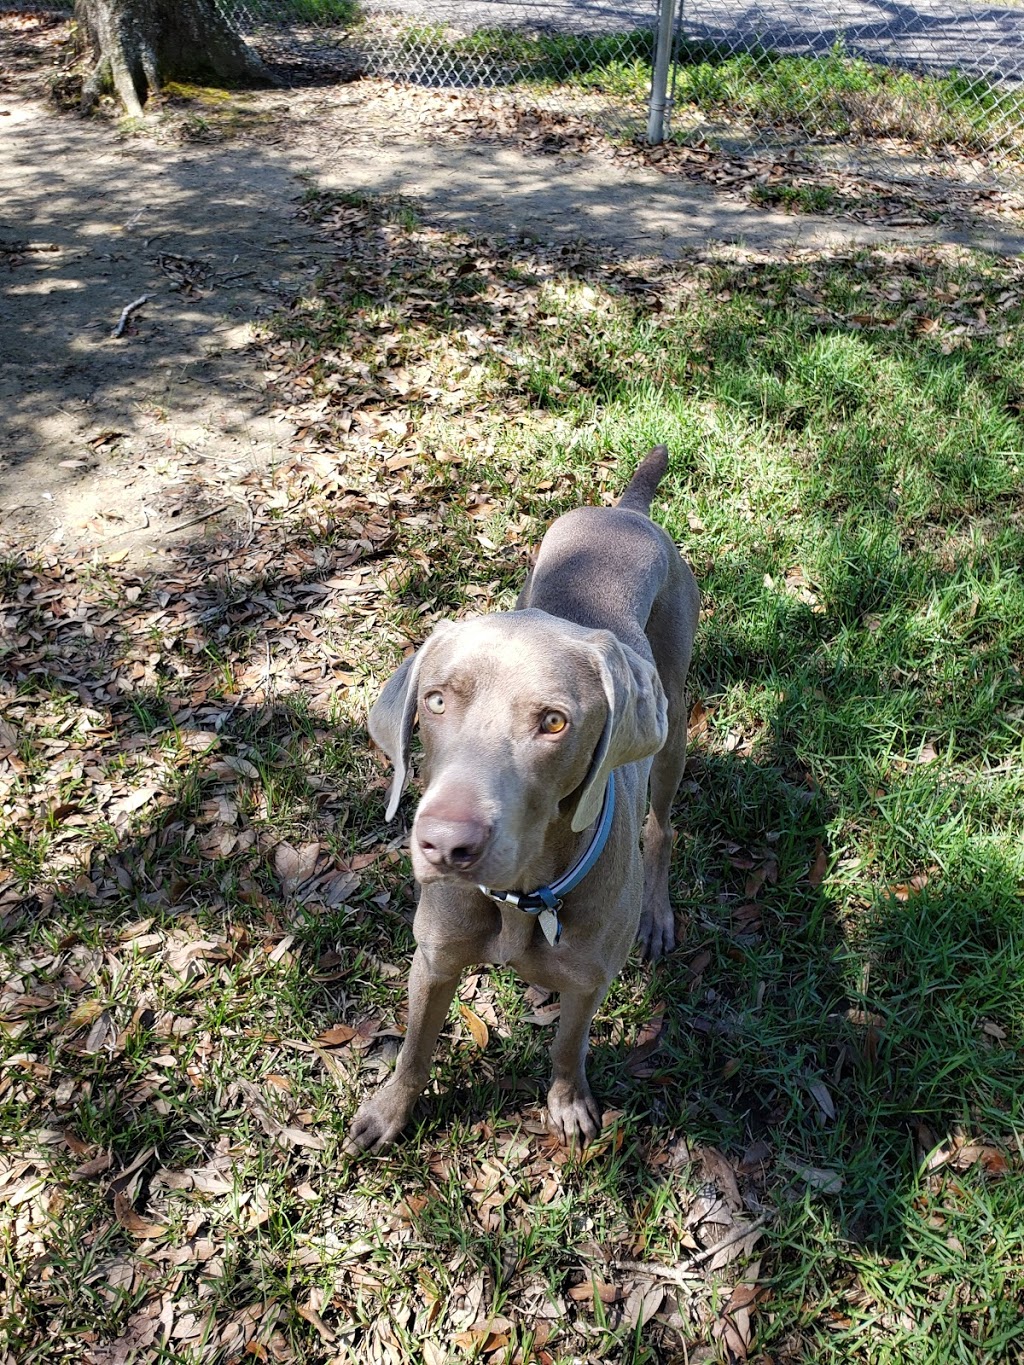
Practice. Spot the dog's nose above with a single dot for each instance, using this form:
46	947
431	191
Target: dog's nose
451	843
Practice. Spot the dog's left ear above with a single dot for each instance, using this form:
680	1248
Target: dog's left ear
636	725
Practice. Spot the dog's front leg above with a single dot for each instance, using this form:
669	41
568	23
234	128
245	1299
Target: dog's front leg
383	1116
573	1113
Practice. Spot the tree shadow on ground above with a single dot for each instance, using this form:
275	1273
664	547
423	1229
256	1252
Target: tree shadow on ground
187	749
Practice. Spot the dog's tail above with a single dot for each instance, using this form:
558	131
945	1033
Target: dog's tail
642	486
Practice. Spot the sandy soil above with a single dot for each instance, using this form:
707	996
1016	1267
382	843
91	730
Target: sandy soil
114	444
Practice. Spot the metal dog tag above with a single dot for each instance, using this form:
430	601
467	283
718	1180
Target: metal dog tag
550	926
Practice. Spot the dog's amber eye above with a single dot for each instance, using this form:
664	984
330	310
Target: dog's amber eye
553	722
434	702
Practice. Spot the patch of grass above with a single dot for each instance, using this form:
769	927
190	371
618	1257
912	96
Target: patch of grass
796	198
834	95
206	926
619	64
345	12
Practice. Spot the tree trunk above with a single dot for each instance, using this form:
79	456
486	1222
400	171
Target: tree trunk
138	44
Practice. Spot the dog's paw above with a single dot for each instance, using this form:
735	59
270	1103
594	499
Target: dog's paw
573	1115
657	932
378	1122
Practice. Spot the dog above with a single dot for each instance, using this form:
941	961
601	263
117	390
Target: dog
543	730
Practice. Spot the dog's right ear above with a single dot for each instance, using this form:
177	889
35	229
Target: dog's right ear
392	719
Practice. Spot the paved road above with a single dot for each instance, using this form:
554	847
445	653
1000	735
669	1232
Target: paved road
931	34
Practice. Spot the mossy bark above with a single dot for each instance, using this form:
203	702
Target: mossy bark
139	44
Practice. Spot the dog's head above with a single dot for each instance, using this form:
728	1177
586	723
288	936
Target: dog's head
522	717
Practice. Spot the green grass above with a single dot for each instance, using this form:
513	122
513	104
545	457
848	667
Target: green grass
346	12
618	64
846	479
796	198
838	95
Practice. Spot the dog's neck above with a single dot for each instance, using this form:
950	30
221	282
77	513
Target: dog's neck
546	897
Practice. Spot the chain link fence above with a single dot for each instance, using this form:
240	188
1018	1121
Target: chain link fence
918	83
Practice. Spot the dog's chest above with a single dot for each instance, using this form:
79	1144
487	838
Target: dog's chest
514	938
521	945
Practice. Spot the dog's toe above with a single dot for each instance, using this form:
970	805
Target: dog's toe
657	932
573	1114
377	1123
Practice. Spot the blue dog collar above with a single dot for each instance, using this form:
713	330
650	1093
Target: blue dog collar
546	901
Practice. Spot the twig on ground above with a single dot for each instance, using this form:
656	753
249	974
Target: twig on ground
194	521
131	530
126	313
20	248
250	534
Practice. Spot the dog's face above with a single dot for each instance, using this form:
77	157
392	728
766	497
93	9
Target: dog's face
522	716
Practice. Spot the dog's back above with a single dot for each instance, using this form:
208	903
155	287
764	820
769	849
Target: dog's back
607	567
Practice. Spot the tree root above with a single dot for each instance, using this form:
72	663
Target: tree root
141	43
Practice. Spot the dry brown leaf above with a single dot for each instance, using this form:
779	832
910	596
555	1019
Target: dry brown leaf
643	1302
697	966
99	1163
476	1026
698	721
819	1178
87	1012
755	1158
544	1014
133	1222
819	866
733	1328
336	1036
295	865
299	1137
961	1155
101	1029
120	812
718	1168
480	1339
315	1320
820	1094
905	891
591	1289
648	1040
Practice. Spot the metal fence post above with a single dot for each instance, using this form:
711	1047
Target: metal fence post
659	81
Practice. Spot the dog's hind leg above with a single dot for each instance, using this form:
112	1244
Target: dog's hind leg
670	631
657	924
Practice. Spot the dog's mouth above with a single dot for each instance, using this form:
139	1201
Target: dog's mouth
426	871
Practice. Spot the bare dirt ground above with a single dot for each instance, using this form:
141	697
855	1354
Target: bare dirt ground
113	445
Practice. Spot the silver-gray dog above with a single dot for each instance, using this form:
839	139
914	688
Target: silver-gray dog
542	729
